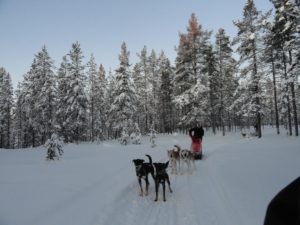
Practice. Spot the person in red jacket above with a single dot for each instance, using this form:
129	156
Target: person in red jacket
196	134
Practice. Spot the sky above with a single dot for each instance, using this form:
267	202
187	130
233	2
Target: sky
100	26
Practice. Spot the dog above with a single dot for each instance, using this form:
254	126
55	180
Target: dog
186	157
142	170
161	177
174	157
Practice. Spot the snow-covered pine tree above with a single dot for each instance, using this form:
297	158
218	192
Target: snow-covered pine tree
97	107
210	68
136	135
19	117
225	65
62	97
96	100
54	147
102	105
123	107
271	57
153	91
109	100
6	106
249	48
191	92
46	95
141	78
287	29
39	99
76	99
165	104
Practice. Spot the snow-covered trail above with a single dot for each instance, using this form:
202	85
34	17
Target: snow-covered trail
96	184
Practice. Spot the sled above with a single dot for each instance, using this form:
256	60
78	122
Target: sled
196	148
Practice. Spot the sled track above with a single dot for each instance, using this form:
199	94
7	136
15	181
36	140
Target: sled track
85	194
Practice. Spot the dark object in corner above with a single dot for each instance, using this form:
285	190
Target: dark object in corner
284	209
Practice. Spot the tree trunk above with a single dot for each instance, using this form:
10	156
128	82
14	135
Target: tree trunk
287	94
294	100
256	89
275	96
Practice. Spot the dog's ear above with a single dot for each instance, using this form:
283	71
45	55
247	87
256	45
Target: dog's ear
167	164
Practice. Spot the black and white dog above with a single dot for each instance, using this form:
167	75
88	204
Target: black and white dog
161	177
142	169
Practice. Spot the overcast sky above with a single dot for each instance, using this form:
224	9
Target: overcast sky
101	26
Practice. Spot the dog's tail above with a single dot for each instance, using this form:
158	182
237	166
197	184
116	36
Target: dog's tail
150	159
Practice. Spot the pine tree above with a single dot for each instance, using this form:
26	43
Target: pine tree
38	100
6	106
109	99
249	47
142	81
271	57
46	95
97	108
286	27
153	91
76	99
92	76
62	97
123	107
102	105
19	117
190	82
54	147
165	104
225	69
210	69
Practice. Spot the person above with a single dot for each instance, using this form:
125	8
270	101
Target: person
196	134
284	208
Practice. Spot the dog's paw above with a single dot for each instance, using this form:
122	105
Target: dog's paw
155	200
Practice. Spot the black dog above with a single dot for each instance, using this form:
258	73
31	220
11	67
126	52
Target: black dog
142	170
161	176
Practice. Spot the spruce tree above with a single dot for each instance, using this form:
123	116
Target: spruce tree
6	106
76	99
286	28
249	48
190	82
165	100
123	106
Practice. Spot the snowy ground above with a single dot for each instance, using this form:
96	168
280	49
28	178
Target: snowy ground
95	184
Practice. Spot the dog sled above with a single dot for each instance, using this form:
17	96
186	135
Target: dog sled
196	148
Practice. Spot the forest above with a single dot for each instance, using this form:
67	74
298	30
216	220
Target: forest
225	84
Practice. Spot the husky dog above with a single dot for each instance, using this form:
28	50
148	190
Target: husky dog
186	157
174	157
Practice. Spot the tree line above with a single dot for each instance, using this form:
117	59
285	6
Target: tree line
224	84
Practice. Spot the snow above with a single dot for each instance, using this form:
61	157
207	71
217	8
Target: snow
252	36
94	184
